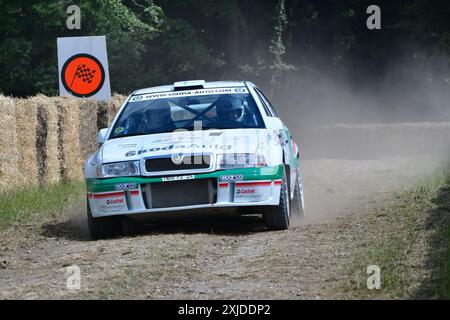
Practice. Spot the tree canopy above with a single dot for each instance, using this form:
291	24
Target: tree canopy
153	42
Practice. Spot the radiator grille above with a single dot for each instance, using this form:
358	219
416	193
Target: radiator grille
180	193
189	162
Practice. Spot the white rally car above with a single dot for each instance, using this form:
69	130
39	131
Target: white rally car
193	147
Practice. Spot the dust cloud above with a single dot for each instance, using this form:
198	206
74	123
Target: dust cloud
403	111
360	141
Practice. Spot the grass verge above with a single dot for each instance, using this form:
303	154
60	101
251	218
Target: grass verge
409	240
23	204
444	286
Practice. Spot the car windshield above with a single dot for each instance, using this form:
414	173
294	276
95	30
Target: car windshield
188	110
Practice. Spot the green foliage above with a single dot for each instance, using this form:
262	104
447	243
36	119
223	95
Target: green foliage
177	53
161	41
429	22
28	62
278	48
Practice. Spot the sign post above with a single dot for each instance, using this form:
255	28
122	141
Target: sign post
83	67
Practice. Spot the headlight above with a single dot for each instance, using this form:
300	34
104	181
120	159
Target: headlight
118	169
240	160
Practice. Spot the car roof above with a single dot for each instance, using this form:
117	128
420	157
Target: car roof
189	84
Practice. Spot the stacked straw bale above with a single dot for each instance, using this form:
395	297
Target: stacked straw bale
26	120
47	134
72	163
88	127
114	106
45	140
9	154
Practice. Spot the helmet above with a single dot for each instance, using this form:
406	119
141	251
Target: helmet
158	114
229	108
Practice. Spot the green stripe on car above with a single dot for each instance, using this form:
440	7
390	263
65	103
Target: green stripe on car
263	173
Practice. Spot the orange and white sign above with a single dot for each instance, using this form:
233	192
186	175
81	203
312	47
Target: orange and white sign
83	67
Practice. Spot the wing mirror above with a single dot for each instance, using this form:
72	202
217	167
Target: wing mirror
101	138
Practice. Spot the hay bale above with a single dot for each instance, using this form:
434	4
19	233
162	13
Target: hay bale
9	169
114	106
61	135
26	121
70	140
47	139
88	127
103	111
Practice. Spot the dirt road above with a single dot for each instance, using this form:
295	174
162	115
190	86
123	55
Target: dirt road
229	258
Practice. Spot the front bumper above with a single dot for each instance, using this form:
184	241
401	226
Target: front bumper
223	189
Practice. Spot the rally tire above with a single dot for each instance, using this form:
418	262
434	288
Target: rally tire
103	227
297	202
278	217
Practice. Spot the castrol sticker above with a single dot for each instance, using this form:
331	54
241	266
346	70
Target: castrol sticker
110	202
251	191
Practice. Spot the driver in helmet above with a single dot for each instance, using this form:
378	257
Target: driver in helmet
158	119
230	111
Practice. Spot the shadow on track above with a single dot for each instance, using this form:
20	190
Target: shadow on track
73	229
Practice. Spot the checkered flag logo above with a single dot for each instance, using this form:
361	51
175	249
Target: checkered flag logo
82	75
85	73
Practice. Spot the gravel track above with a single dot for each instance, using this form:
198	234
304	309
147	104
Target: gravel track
225	258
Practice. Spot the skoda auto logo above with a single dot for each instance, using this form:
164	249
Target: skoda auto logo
177	158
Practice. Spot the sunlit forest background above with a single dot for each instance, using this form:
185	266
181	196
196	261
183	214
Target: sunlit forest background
313	57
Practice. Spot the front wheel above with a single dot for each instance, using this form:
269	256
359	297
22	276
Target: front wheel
278	217
103	227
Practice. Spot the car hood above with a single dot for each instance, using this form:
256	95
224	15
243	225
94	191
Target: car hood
189	142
